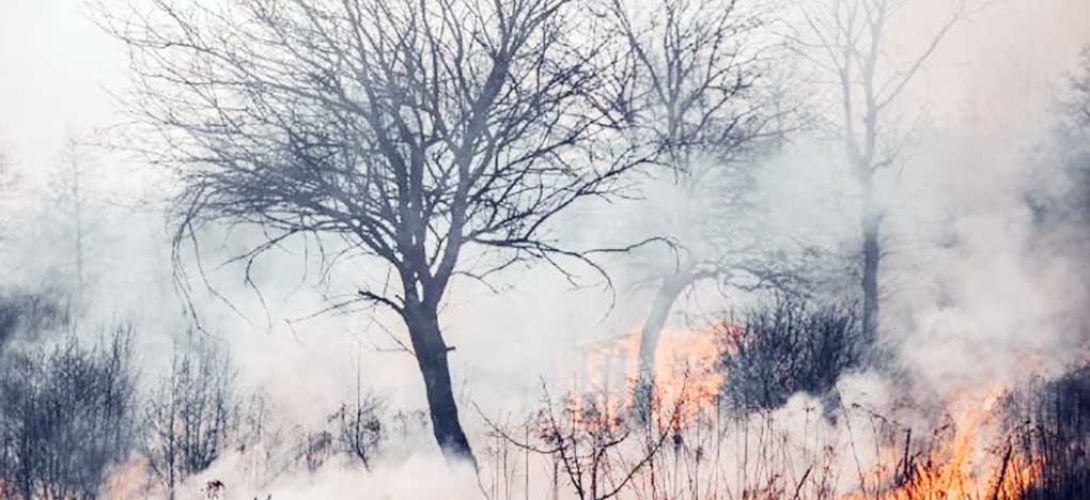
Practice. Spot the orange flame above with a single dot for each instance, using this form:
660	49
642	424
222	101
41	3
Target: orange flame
969	456
685	372
961	461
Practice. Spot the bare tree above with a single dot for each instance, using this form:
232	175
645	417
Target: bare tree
70	194
694	96
415	131
190	416
847	39
33	312
360	429
1065	199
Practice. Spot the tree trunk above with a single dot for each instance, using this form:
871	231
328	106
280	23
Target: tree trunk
431	357
651	332
871	226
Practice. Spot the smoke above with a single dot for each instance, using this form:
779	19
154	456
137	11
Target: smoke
971	291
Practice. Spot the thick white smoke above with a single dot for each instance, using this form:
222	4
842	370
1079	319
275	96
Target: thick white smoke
971	292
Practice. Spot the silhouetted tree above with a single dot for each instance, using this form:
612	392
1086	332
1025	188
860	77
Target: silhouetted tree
359	427
31	313
695	95
1065	198
70	192
847	39
415	131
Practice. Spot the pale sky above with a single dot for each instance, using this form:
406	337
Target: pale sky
57	66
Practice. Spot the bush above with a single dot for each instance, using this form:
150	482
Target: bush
191	414
32	312
1050	426
785	346
65	417
360	428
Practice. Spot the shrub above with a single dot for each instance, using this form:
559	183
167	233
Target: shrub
191	413
1050	426
785	346
65	417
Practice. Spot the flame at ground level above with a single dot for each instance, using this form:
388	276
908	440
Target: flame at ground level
970	455
686	374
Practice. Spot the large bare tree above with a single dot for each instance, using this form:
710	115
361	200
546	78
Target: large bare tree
414	130
696	67
848	40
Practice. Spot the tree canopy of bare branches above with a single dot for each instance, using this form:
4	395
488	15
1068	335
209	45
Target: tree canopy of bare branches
848	40
695	93
413	130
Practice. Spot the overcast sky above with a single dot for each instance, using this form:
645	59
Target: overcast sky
57	67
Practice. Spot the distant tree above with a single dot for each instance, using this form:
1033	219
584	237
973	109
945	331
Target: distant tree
695	95
847	40
422	133
71	192
191	414
1066	198
66	417
33	312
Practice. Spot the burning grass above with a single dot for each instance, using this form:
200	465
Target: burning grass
853	439
686	369
797	452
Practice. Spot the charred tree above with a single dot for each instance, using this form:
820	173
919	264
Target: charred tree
668	293
414	131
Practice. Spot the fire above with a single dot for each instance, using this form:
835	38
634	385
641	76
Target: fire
962	460
686	375
970	455
127	480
